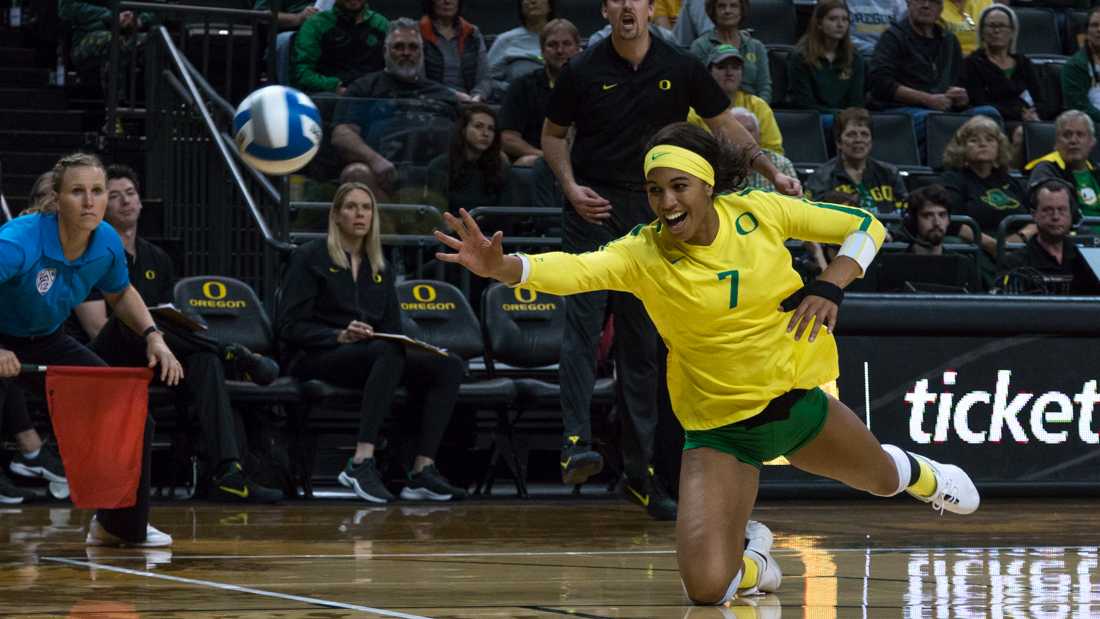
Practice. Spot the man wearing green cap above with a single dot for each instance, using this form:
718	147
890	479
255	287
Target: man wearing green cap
727	64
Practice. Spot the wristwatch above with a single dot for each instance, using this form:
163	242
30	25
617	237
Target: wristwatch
151	329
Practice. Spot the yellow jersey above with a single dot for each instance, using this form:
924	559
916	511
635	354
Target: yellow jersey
962	21
717	306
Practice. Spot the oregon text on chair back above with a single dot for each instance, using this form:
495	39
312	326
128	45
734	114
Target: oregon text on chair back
439	314
231	309
524	328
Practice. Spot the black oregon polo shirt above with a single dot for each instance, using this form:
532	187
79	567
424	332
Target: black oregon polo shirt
151	273
617	109
525	104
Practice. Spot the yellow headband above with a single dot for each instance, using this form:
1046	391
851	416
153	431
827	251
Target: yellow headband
668	156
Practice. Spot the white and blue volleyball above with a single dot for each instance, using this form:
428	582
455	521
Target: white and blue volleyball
277	129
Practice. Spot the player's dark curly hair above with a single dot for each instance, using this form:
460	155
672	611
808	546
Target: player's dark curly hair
730	162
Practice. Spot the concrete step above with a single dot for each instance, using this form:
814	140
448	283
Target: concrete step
44	141
33	98
23	77
27	162
41	120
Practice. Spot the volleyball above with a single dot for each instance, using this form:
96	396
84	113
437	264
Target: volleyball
277	130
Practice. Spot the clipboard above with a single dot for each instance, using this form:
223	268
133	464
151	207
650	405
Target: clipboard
171	314
409	341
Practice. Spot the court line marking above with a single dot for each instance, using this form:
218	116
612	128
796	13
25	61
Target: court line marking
237	588
595	553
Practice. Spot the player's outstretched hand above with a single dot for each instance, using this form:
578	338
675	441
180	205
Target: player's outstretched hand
482	256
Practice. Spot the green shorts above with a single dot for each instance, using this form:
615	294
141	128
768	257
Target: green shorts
786	424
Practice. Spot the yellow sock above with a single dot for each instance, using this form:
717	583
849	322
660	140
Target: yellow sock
751	572
926	482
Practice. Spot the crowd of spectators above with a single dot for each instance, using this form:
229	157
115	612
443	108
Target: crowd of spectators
916	57
490	93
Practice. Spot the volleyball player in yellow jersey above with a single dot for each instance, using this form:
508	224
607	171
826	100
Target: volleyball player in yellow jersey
714	274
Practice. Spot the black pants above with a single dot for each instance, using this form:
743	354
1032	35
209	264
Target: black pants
58	348
378	367
204	380
13	409
635	337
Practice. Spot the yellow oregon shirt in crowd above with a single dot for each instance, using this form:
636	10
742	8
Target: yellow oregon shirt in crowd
961	19
716	306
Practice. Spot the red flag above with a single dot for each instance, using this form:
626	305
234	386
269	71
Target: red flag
98	416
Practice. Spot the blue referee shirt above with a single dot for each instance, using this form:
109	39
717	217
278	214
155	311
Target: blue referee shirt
39	287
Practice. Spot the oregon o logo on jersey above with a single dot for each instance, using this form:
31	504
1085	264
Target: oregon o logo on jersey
150	274
745	223
664	85
523	293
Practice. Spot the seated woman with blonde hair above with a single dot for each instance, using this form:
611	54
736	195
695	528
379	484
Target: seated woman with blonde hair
337	293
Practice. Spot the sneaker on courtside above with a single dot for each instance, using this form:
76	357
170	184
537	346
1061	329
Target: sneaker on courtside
955	492
579	461
430	485
651	494
758	536
98	536
365	481
10	494
768	578
758	547
232	486
46	465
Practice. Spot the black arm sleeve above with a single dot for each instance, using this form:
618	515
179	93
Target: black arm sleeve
297	323
511	109
707	96
883	76
563	99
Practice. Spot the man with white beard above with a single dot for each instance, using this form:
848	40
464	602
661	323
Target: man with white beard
403	78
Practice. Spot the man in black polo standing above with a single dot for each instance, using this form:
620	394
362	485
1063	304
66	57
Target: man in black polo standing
618	94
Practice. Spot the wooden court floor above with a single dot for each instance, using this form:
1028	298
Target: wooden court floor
550	558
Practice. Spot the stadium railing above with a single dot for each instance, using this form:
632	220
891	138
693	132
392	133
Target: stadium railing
210	35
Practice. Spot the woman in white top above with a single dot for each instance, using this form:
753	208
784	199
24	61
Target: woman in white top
516	52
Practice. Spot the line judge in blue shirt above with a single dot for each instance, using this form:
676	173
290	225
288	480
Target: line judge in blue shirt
48	265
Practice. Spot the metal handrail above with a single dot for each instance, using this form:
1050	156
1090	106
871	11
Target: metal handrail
181	90
117	6
223	150
4	208
198	10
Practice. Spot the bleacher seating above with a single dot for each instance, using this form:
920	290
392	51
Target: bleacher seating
894	140
1038	31
777	63
1038	140
807	142
1076	24
1049	72
773	22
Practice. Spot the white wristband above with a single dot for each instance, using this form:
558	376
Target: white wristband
526	269
859	246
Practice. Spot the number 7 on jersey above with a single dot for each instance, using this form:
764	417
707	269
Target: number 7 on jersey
734	280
